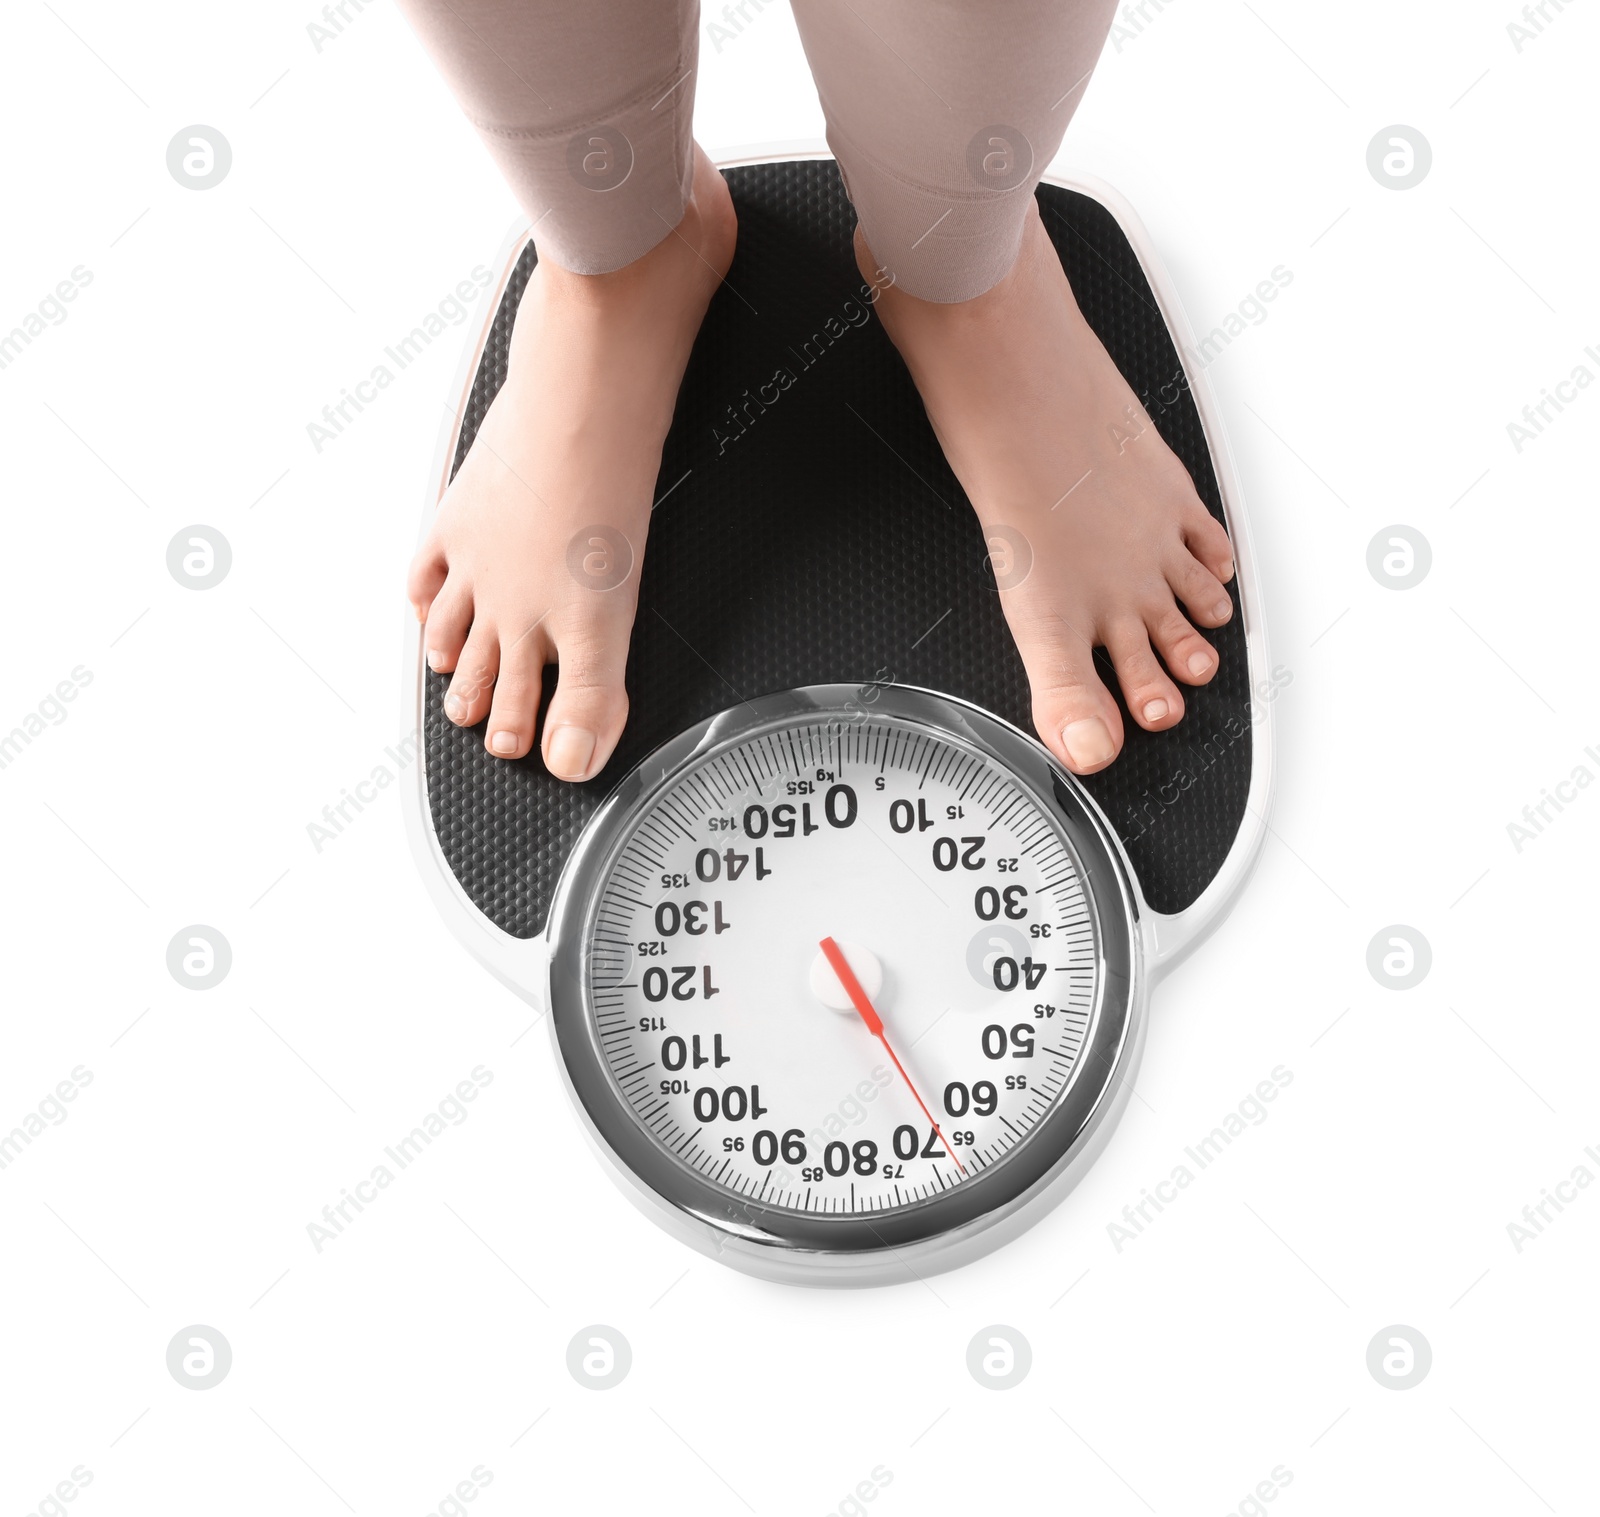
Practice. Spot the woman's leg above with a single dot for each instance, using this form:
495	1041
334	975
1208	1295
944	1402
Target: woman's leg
943	115
534	555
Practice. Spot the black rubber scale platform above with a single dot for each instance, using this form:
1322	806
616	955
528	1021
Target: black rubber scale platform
829	542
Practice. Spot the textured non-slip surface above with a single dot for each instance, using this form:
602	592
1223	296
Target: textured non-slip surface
829	542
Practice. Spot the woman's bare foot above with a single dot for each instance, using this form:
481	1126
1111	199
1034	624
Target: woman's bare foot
534	555
1093	525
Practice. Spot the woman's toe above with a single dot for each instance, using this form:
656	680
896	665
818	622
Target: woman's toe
449	620
1187	655
1208	540
426	577
1151	697
467	700
590	705
1199	589
1075	715
515	706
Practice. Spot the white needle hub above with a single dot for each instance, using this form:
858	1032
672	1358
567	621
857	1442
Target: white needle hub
825	984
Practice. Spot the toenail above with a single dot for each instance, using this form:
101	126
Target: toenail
437	659
455	708
1222	610
569	750
1227	571
503	742
1154	710
1199	663
1088	742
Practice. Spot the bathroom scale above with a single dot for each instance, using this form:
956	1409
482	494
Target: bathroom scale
847	978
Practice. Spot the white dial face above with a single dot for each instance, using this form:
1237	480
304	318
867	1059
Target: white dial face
945	890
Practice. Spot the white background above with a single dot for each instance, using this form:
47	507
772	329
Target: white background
1226	1340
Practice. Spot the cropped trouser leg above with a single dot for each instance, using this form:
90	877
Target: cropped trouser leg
942	113
586	105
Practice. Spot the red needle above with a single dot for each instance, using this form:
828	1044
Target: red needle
863	1004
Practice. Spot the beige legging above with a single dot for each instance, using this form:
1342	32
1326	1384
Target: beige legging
942	114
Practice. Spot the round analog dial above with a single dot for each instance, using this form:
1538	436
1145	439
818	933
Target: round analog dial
841	965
